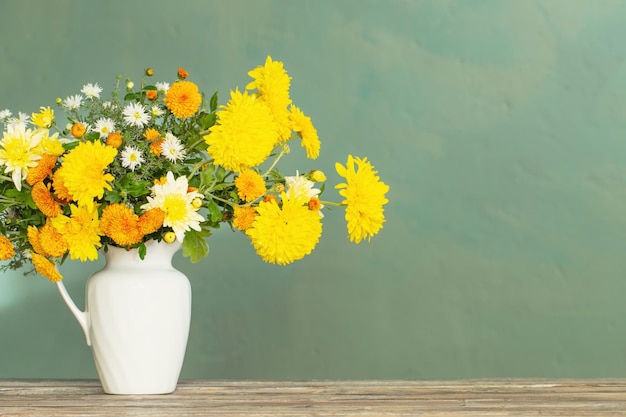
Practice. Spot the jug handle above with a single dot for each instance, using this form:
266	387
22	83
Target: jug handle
81	316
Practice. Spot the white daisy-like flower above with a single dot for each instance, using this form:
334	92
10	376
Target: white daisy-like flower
172	197
20	122
162	87
91	91
107	105
157	111
5	114
172	148
104	126
131	157
72	102
135	115
301	189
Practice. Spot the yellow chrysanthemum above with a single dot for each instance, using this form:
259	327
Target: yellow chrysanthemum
151	221
44	200
250	185
52	242
42	170
49	144
364	195
272	83
287	234
33	238
243	217
302	124
7	251
44	118
46	268
17	152
183	99
83	171
244	134
120	224
81	231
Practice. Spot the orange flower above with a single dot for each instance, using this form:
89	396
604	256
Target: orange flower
151	94
182	74
58	183
46	268
33	238
151	221
120	224
52	242
155	147
314	204
269	198
78	130
183	99
114	139
42	170
151	134
44	200
7	251
244	217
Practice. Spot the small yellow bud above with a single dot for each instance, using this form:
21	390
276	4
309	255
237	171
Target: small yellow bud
149	72
129	85
59	100
317	176
196	203
278	188
169	237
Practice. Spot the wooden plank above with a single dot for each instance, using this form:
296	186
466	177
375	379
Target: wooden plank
507	397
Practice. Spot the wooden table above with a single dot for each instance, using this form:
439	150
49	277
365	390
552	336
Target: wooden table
505	397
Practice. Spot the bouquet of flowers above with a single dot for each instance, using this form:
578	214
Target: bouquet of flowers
160	161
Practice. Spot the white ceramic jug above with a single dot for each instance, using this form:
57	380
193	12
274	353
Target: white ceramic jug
136	319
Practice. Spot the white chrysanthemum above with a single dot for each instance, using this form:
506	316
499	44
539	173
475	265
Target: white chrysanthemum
104	126
17	151
157	111
301	189
135	115
162	87
73	102
174	199
91	91
5	114
172	148
131	157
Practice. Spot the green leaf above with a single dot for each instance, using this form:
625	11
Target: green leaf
213	103
216	213
142	250
207	120
220	173
130	96
195	246
207	176
149	87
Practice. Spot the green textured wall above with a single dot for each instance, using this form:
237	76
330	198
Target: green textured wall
500	127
